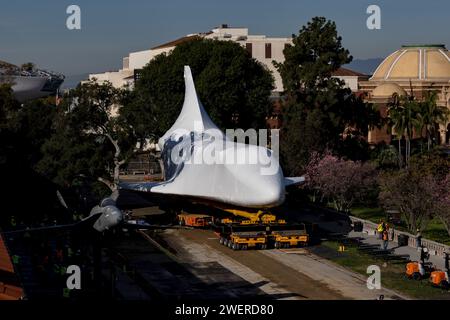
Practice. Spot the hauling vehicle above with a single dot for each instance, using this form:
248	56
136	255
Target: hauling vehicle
440	278
238	237
194	220
287	236
421	269
259	230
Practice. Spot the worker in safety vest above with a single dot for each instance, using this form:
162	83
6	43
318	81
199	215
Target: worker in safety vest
380	229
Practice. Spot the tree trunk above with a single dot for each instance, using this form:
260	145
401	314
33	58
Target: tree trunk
446	224
407	151
117	163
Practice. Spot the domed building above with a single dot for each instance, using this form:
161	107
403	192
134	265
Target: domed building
413	69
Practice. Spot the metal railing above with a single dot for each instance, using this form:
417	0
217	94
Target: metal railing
434	247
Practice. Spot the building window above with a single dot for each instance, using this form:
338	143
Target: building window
248	46
137	74
268	50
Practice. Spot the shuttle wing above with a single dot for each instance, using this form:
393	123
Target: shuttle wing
290	181
140	186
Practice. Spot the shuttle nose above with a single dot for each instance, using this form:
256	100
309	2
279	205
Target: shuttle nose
272	188
256	184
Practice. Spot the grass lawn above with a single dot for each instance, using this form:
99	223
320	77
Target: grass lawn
435	230
371	214
392	273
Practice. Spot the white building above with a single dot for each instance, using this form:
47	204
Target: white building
262	48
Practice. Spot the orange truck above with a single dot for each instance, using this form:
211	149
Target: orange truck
440	278
194	220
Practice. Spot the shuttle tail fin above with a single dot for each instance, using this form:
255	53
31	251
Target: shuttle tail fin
193	116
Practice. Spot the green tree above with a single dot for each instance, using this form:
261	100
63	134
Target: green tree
23	130
29	66
320	113
316	52
233	87
34	124
8	110
385	156
8	104
91	138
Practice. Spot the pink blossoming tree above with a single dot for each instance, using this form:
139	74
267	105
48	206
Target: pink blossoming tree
339	181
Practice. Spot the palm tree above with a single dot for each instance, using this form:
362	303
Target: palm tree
431	114
403	119
395	121
411	107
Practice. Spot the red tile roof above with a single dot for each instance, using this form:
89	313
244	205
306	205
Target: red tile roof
176	42
5	260
7	291
344	72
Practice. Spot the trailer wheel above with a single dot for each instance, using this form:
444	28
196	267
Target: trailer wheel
221	240
244	247
445	285
234	246
230	244
225	242
264	246
416	276
277	245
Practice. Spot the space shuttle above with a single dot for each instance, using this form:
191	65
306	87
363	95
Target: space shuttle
202	163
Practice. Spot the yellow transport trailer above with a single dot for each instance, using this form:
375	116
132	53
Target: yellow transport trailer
287	236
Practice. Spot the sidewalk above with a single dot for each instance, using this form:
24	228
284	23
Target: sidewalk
413	253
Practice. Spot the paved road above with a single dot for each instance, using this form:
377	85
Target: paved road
277	279
153	274
292	274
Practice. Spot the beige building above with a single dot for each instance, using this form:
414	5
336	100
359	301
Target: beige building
410	70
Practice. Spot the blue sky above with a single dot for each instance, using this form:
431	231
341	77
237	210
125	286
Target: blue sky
35	30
